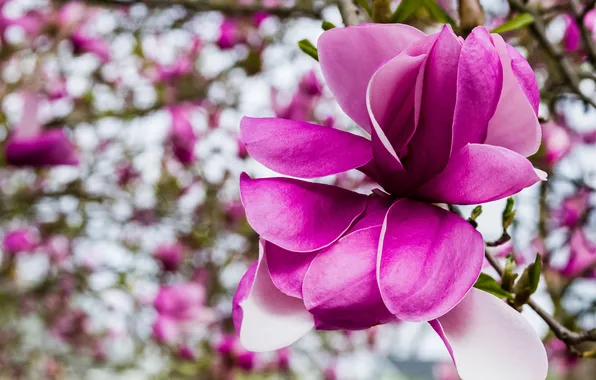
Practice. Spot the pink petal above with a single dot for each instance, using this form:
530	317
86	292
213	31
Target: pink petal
481	173
492	341
428	260
390	102
350	56
340	287
582	255
269	320
480	80
287	269
302	149
430	147
296	215
515	125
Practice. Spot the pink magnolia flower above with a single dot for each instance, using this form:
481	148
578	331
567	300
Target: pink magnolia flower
72	14
230	34
572	36
582	256
169	255
557	142
451	121
165	330
31	23
182	301
84	43
303	102
187	353
182	135
573	208
20	240
29	145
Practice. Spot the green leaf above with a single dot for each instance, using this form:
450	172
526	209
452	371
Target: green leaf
518	22
508	213
528	282
508	278
327	25
310	49
437	13
406	9
365	5
534	272
490	285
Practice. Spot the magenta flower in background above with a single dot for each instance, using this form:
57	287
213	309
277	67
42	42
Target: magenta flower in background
84	43
557	142
30	145
182	135
582	256
170	256
572	36
31	23
165	330
230	34
183	301
20	240
304	100
72	14
451	121
573	208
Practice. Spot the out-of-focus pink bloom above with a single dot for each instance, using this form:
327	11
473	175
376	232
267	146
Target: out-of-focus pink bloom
259	17
165	330
21	240
84	43
303	102
559	357
311	85
182	301
557	142
230	34
182	135
29	145
225	345
166	73
445	371
72	14
245	359
57	248
229	346
188	353
32	23
573	208
126	174
170	255
572	36
242	152
451	121
330	373
283	359
582	256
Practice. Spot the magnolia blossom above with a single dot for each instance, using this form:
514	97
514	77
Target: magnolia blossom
557	142
169	255
182	135
572	36
20	240
573	208
30	145
304	100
230	34
450	121
84	43
582	256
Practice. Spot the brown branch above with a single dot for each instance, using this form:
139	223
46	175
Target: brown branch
579	14
351	13
538	30
228	8
571	338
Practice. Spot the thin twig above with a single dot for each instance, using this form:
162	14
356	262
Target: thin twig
228	8
538	30
570	338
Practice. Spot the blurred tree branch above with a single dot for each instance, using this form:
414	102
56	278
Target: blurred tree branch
565	68
351	13
571	338
230	8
